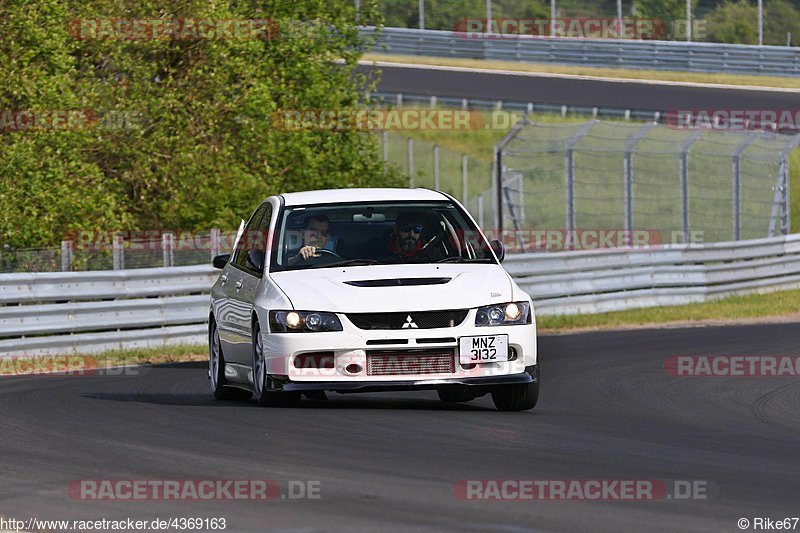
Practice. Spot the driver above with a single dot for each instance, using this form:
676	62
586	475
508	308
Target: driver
316	237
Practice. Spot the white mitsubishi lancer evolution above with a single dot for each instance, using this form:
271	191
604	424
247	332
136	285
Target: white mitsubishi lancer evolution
365	290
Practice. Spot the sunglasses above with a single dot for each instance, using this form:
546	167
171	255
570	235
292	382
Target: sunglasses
408	228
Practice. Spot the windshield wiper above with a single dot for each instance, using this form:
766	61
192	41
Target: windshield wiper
352	262
463	260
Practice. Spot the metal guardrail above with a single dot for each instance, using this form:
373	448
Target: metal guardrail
614	280
652	55
85	312
61	313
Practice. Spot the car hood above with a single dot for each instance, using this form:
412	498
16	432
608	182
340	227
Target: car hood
387	288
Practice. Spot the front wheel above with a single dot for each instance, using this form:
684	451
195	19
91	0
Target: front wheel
261	393
517	397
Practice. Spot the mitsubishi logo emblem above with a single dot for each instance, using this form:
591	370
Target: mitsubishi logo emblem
409	323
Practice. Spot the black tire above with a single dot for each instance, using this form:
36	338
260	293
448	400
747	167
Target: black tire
517	397
216	369
261	393
454	394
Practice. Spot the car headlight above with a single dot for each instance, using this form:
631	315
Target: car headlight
303	321
503	314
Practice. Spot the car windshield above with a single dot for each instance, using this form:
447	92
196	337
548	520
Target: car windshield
325	236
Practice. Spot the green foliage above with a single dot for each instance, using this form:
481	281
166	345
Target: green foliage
667	12
733	22
780	18
197	146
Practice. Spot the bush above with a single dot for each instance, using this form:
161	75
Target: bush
196	147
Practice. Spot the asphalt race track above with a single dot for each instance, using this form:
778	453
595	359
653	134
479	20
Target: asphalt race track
577	92
608	410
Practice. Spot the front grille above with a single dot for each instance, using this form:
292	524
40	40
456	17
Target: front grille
409	319
410	362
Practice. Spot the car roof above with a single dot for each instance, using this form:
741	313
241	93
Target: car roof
335	196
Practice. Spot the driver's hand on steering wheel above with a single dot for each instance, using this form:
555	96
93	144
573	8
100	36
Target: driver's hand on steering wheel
307	252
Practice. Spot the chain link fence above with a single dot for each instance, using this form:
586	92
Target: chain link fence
109	251
677	184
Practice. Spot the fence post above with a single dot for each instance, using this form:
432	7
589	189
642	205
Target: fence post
569	177
684	167
736	195
481	219
166	249
399	100
498	171
385	146
410	154
628	165
464	180
215	244
66	256
436	167
783	181
118	252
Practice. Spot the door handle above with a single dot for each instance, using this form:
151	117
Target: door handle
224	278
238	285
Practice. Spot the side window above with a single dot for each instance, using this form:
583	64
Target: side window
253	239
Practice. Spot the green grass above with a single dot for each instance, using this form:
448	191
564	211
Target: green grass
78	362
755	306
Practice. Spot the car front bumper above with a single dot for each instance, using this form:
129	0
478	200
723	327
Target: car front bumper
354	346
530	375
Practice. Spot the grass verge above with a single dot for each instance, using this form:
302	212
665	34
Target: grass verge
88	363
776	306
632	74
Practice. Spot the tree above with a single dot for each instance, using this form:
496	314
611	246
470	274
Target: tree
670	15
780	18
733	22
198	147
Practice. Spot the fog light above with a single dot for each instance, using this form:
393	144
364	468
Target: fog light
512	354
353	368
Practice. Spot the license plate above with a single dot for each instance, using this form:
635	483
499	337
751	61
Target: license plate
483	349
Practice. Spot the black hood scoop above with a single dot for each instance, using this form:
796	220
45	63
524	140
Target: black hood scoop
398	282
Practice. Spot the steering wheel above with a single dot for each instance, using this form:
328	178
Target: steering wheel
323	251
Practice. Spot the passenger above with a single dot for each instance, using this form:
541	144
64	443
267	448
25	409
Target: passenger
405	242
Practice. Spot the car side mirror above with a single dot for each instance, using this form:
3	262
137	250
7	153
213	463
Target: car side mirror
499	249
220	260
255	258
